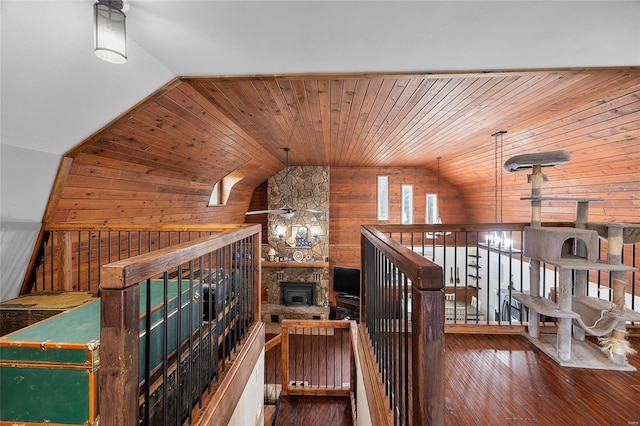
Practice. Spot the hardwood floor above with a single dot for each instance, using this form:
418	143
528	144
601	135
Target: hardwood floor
314	410
506	380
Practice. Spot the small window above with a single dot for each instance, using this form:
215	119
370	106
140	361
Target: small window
432	209
222	189
216	195
383	197
407	204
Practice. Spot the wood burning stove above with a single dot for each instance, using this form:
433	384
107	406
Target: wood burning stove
298	293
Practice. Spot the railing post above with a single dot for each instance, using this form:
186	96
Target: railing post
428	369
63	256
119	334
257	277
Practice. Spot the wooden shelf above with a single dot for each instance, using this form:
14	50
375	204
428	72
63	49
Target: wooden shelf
267	264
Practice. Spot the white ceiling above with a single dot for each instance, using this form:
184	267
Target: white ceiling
55	92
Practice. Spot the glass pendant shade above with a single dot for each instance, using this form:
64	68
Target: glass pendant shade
110	33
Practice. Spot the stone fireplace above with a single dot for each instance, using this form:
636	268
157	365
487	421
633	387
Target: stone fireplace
308	193
296	293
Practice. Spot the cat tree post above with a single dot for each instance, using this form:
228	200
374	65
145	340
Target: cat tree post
582	277
537	178
619	284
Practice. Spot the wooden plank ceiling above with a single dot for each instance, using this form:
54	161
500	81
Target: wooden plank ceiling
173	146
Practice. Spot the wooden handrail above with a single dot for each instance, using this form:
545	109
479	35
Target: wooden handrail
461	227
426	320
272	343
173	227
423	274
120	314
128	272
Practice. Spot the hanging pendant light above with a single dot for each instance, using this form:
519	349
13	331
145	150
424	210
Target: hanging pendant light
439	202
110	31
497	135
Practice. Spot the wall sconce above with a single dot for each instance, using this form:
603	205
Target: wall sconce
280	232
110	31
314	233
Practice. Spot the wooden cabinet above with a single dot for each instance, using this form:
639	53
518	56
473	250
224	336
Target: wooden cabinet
463	293
347	308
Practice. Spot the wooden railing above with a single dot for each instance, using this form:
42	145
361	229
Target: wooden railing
485	262
200	300
68	257
419	281
407	345
315	358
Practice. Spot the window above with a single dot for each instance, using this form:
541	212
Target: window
383	197
222	188
432	215
407	204
216	195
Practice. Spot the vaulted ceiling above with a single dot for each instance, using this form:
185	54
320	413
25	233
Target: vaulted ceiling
197	130
350	83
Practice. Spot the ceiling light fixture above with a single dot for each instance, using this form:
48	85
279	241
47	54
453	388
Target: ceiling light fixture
110	31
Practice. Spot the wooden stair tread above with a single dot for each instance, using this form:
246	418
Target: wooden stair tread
543	306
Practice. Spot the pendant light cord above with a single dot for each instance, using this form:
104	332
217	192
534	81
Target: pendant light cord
495	187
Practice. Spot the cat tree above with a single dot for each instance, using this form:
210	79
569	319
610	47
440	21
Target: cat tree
574	251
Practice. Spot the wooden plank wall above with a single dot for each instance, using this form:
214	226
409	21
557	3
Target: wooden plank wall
353	202
158	164
259	201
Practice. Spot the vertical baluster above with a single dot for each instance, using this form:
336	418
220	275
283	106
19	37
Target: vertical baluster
147	352
191	311
89	242
165	350
178	340
79	261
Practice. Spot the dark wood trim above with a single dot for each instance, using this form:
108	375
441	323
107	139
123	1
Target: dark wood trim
423	274
64	259
272	343
438	74
427	351
163	227
128	272
119	332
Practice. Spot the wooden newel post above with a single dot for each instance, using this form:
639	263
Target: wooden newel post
64	258
119	332
428	372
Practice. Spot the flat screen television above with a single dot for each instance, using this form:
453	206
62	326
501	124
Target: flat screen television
346	280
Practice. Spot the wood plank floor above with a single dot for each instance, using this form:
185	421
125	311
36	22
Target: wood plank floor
506	380
314	410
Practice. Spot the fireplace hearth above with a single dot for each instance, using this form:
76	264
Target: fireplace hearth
298	293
